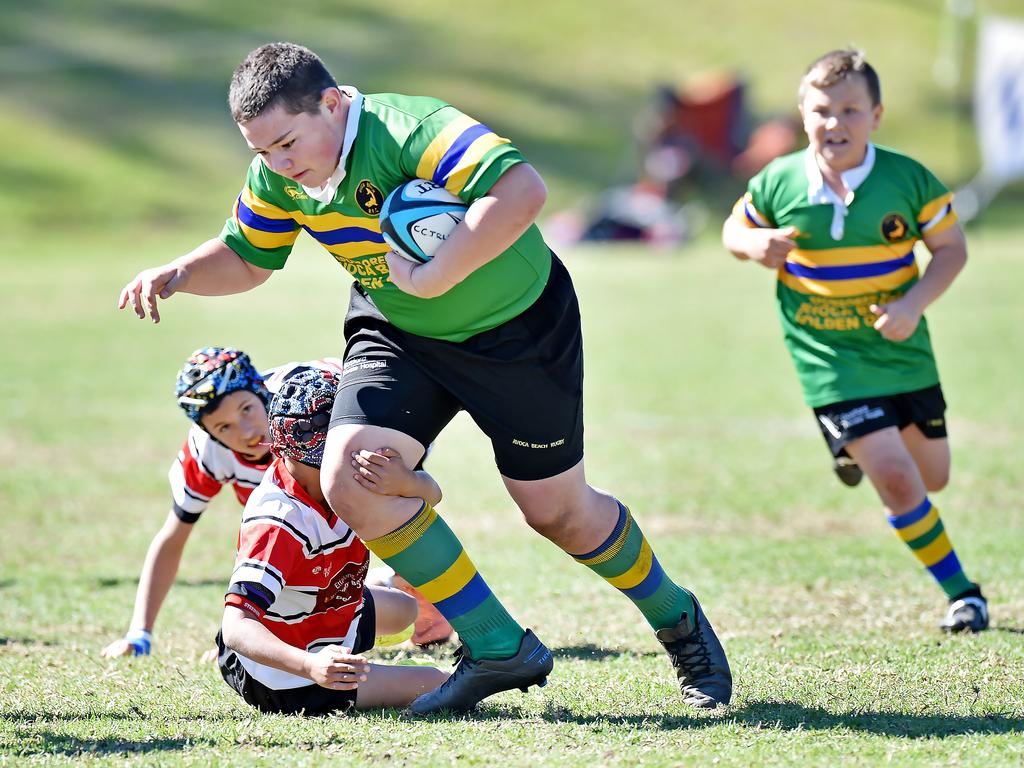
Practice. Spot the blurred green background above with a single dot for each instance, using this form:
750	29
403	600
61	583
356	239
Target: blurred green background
113	116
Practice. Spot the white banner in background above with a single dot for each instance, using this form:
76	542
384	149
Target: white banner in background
999	98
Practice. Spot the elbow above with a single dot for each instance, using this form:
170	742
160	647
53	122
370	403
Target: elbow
537	196
230	629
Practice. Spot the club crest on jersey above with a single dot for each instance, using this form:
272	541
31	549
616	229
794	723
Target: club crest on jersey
295	193
894	228
369	198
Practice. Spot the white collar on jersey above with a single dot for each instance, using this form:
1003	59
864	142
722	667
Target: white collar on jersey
820	193
326	193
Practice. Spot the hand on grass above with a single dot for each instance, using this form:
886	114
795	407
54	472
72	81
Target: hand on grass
138	642
118	648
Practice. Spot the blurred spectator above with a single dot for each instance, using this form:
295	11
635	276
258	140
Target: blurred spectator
695	148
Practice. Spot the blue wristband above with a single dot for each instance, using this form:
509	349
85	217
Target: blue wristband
140	640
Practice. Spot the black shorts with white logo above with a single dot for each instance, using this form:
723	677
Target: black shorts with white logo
307	699
842	423
521	382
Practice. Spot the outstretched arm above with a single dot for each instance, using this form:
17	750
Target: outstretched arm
212	269
158	573
492	224
384	472
898	319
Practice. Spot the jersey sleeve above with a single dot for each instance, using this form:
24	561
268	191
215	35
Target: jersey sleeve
934	203
193	476
268	551
457	152
754	208
259	229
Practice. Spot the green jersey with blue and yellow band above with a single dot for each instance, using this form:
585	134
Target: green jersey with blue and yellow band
391	138
849	255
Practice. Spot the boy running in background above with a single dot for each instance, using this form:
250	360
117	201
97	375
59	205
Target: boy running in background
226	398
297	614
838	222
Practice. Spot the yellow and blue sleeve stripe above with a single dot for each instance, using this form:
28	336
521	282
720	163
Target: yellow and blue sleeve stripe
745	211
263	225
455	154
937	215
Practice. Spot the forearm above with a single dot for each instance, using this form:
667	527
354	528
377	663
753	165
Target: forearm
425	487
736	238
945	265
213	269
246	635
492	224
158	572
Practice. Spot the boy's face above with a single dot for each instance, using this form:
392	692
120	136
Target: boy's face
838	121
240	422
303	147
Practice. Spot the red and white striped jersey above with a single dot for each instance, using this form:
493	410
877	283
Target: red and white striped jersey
300	569
204	466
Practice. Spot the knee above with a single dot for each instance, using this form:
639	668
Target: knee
549	520
406	609
899	483
936	479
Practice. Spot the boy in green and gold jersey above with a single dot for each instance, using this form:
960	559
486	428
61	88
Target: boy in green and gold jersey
490	325
838	223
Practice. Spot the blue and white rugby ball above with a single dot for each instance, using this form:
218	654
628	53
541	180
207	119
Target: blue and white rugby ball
417	218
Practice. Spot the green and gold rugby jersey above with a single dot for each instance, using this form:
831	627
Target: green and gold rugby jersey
850	254
390	139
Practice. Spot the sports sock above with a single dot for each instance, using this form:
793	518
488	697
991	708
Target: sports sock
430	557
625	560
921	529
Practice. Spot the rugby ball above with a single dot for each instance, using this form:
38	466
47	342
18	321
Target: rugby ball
417	218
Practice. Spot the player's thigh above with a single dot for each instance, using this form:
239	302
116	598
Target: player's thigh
387	686
522	383
394	609
384	387
369	514
890	467
931	454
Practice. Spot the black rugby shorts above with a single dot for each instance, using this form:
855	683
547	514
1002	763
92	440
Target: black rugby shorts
307	699
842	423
522	382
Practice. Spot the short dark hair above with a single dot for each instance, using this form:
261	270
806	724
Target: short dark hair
835	66
278	73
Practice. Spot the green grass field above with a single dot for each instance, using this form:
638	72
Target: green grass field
693	418
119	154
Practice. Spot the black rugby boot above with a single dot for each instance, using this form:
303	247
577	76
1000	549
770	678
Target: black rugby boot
474	680
699	660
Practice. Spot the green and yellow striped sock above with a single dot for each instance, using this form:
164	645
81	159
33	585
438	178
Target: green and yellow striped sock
625	560
430	557
921	529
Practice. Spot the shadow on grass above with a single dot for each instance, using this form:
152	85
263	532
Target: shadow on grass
591	652
7	640
1009	630
121	581
786	716
73	746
